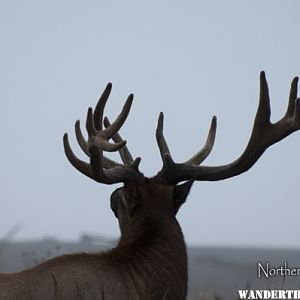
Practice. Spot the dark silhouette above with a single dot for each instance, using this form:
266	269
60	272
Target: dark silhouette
150	260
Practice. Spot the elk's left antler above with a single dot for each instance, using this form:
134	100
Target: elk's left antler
264	134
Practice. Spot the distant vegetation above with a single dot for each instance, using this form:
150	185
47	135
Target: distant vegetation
214	273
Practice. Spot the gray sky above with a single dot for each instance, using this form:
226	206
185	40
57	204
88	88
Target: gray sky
189	59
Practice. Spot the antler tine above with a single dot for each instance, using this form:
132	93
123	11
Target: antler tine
169	166
161	141
124	152
100	139
264	134
80	139
99	109
264	109
117	124
92	170
78	164
202	154
101	168
107	163
89	124
293	95
272	133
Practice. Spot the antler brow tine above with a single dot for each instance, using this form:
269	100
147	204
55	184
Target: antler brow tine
80	165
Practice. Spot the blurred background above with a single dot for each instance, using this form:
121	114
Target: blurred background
189	59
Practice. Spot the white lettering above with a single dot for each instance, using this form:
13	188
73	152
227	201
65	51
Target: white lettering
269	294
260	269
296	294
243	294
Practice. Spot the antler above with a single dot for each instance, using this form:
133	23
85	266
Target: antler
101	168
264	134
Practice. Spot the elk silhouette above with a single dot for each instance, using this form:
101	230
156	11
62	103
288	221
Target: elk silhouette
150	260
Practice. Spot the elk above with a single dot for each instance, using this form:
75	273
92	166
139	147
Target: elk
150	260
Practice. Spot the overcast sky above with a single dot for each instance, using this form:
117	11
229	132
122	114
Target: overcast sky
189	59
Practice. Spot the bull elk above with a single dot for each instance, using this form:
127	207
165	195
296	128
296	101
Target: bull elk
150	260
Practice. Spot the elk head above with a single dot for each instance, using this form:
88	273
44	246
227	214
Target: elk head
139	195
161	195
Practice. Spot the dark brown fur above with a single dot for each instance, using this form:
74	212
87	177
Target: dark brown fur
149	262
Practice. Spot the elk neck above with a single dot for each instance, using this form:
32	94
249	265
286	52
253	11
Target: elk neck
156	232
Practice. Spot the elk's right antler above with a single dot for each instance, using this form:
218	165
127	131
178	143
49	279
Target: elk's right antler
101	168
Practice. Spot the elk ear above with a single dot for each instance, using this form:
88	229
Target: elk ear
130	199
180	192
115	199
